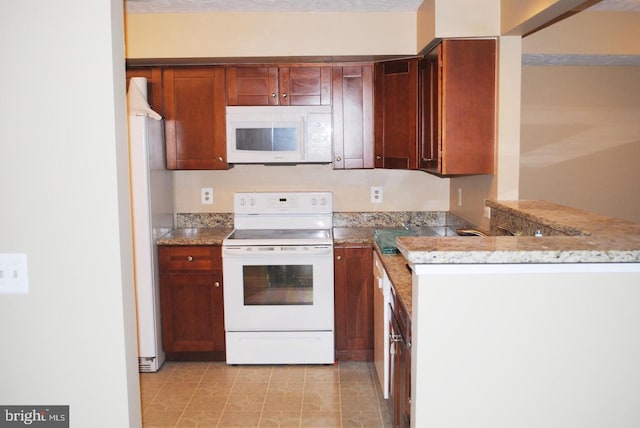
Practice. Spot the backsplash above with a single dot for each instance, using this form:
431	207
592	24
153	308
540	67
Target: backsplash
340	219
392	219
211	220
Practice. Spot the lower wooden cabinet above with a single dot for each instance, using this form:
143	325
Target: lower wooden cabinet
353	265
191	302
400	362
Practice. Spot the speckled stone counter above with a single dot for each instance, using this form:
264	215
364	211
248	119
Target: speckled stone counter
195	236
400	276
594	239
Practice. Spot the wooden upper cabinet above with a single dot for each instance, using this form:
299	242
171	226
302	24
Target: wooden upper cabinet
195	117
352	100
396	113
457	107
154	85
273	85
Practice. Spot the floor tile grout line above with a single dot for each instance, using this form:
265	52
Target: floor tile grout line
264	400
191	396
226	401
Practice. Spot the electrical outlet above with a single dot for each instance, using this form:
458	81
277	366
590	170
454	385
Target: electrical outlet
376	194
13	274
487	212
206	196
459	196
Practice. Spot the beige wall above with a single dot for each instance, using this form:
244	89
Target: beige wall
580	130
71	340
612	33
467	18
269	34
402	190
581	138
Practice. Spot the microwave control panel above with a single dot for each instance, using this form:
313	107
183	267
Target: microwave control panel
318	138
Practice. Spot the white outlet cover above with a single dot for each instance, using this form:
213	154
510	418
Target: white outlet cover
206	196
376	194
13	274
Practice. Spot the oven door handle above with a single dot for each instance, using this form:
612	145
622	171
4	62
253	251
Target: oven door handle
301	250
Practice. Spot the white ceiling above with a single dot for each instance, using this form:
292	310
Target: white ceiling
194	6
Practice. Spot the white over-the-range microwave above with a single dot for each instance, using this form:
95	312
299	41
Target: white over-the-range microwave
279	134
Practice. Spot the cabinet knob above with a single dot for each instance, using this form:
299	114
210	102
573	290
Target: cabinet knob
217	284
338	159
339	257
273	94
284	95
189	259
220	158
378	157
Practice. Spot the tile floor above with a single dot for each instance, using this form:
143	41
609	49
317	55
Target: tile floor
201	394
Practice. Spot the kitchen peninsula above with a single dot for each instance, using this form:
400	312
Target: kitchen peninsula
527	331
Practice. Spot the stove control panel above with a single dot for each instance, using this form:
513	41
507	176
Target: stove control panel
283	202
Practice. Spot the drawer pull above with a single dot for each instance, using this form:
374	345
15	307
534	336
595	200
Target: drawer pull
217	284
189	259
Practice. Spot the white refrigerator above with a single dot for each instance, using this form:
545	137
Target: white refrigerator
152	217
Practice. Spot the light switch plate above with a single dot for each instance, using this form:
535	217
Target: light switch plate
13	274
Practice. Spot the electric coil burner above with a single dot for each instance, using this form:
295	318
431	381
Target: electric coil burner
278	274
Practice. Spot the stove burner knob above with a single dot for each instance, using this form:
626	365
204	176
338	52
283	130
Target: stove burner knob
314	201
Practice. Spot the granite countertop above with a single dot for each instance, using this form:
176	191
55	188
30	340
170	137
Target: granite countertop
592	238
195	236
596	239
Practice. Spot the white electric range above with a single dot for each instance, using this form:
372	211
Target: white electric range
278	279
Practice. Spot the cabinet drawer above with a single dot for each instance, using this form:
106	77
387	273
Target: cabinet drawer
197	258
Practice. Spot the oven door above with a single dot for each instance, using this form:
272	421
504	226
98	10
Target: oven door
278	288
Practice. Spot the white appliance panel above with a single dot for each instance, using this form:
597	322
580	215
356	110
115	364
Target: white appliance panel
290	347
152	216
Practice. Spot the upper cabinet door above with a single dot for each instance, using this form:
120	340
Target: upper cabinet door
252	86
154	85
272	86
396	112
353	117
195	118
458	111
